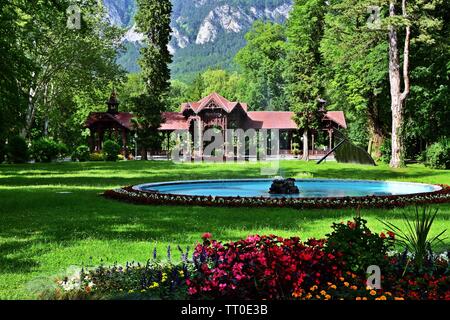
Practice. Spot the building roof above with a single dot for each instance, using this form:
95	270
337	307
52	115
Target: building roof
122	118
253	119
217	100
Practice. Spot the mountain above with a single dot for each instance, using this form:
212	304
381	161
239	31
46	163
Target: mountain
205	33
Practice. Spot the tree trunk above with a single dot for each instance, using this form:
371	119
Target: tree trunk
397	97
377	135
31	111
305	146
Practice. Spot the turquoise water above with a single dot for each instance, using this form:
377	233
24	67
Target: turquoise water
311	188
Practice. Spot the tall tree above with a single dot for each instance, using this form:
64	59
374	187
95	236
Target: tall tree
153	20
262	63
412	20
357	72
304	64
398	97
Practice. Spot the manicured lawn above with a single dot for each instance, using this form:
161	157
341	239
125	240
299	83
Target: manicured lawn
52	217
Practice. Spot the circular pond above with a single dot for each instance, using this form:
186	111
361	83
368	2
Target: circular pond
309	188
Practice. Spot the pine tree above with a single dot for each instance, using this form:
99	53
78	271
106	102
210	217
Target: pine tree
153	20
304	64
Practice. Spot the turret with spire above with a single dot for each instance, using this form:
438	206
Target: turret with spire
113	103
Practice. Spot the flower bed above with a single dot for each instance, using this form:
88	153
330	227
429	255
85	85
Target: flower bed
131	195
273	268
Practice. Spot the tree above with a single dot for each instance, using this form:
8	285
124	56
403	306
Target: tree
356	72
65	57
153	20
416	23
262	63
304	64
398	97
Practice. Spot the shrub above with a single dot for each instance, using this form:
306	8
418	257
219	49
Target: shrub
46	150
259	267
97	156
2	151
416	238
81	153
438	155
386	151
358	245
17	150
111	150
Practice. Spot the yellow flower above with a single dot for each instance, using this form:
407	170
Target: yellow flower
346	284
341	278
318	297
323	292
333	287
313	288
381	298
388	293
181	273
364	298
308	296
297	294
327	297
373	292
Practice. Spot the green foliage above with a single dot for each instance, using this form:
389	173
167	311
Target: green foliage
111	149
438	155
359	246
386	151
153	20
304	63
97	156
416	237
262	61
81	154
17	150
46	150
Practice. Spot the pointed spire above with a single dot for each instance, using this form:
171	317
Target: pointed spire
113	102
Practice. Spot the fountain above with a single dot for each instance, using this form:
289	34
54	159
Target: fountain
284	186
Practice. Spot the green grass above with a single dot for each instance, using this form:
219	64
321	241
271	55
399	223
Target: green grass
44	231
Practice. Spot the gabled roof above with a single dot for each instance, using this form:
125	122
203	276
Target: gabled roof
173	121
215	98
337	117
122	118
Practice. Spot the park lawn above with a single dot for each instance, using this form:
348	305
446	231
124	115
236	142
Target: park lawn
53	219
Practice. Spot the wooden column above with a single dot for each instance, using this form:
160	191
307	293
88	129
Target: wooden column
312	144
101	136
330	137
91	140
124	142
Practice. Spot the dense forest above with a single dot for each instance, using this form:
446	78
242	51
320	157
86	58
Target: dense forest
53	76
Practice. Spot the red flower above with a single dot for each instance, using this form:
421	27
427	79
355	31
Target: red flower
391	234
382	236
206	236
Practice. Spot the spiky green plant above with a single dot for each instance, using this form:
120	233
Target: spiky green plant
416	238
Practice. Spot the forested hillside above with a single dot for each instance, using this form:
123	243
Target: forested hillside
205	33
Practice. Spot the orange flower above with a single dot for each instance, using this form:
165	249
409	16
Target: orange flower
333	287
354	287
323	292
358	298
373	293
381	298
399	299
327	297
346	284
